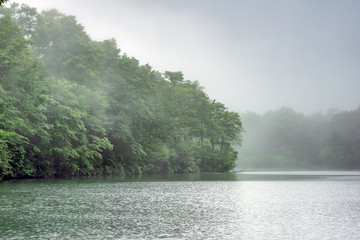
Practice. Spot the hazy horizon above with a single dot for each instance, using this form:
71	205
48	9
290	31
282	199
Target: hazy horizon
250	55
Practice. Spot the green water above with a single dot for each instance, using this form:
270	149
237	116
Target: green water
256	205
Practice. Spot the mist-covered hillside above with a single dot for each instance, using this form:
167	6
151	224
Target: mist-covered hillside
73	106
285	139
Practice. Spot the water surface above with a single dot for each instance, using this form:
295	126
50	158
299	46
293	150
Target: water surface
247	205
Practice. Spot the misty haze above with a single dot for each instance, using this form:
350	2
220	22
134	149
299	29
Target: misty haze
166	119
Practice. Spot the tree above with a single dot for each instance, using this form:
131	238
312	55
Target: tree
71	106
2	2
342	149
62	44
25	17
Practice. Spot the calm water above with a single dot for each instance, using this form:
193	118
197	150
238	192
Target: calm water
255	205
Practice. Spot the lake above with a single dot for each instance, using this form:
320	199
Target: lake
246	205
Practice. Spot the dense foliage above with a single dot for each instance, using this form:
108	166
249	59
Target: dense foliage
285	139
73	106
2	2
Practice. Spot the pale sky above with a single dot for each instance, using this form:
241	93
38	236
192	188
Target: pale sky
251	55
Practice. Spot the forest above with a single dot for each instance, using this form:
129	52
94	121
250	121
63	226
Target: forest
285	139
71	106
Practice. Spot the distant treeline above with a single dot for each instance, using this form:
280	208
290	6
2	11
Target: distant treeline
285	139
72	106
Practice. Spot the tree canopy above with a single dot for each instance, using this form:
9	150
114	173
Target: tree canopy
72	106
2	2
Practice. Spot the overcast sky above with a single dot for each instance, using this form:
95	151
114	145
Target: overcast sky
250	55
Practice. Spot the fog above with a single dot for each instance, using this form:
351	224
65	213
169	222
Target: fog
250	55
286	139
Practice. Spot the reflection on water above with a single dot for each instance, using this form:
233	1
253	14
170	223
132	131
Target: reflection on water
248	176
246	205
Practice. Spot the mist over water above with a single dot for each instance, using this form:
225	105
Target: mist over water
286	139
73	106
